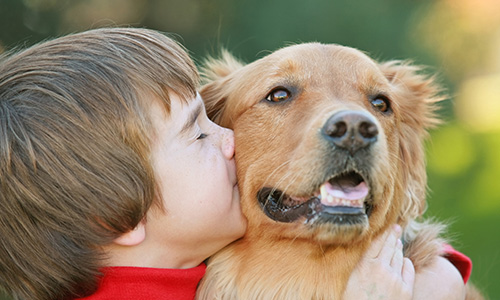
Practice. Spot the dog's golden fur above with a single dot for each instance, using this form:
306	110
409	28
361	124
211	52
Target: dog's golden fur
279	145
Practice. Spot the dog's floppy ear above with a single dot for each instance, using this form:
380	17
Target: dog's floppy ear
215	74
416	96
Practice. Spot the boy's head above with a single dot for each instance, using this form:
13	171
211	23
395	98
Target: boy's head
75	143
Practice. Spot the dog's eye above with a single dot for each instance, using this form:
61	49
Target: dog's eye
381	103
278	95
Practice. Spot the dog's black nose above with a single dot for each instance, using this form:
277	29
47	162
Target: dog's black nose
351	130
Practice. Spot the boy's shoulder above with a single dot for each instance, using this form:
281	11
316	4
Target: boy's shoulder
461	261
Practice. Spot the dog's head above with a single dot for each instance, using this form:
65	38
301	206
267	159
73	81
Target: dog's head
328	141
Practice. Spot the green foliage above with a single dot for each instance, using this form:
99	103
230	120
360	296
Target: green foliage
464	191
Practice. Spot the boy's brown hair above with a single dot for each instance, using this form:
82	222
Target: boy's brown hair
75	171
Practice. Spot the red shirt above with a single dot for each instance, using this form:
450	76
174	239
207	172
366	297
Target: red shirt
459	260
134	283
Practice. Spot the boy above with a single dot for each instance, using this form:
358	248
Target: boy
82	159
115	185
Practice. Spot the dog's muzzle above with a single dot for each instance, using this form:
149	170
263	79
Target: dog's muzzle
344	198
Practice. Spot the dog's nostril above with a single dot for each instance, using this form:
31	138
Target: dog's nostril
338	129
368	130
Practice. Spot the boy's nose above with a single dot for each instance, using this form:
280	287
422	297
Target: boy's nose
228	143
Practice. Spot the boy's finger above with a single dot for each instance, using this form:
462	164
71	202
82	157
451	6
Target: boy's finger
377	244
397	258
408	272
387	251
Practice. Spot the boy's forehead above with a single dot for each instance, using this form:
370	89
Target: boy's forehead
178	103
182	114
195	108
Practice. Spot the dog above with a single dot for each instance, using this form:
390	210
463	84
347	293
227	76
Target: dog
329	154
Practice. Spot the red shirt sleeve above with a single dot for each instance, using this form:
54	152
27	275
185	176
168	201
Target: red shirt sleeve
459	260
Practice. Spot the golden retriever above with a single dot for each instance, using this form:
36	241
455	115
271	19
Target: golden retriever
329	153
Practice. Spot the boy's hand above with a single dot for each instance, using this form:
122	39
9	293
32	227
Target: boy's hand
383	272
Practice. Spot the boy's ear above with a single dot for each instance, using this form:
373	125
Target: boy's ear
133	237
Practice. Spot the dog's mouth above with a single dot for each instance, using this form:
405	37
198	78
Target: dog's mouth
343	199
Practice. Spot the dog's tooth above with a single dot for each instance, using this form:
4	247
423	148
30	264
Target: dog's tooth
323	192
329	199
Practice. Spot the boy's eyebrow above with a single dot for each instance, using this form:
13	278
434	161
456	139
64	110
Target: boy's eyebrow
191	119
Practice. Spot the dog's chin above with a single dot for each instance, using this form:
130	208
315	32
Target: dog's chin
340	207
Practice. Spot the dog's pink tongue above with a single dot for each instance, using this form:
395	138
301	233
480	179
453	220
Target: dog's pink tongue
349	192
344	190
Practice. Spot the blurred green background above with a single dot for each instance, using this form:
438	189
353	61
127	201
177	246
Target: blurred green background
458	39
